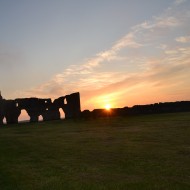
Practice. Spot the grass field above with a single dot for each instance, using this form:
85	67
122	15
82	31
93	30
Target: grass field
139	152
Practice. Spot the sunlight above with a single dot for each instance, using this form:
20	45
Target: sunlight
107	107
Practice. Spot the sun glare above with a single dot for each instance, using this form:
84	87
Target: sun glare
107	107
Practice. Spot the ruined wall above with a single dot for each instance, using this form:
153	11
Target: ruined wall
165	107
11	109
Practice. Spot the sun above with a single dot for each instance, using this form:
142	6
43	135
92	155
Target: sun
107	107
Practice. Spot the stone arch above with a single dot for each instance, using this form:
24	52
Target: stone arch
23	116
40	118
62	113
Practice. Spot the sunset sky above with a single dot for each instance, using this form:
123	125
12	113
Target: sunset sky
117	52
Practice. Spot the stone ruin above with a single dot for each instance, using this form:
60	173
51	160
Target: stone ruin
35	107
70	104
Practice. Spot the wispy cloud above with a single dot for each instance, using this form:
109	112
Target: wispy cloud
159	22
183	39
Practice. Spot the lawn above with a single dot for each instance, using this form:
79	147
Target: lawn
137	152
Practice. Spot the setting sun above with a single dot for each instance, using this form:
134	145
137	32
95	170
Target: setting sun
107	106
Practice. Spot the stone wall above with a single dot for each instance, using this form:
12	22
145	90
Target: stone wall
11	109
165	107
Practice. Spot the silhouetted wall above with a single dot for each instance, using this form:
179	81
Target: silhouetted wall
70	104
167	107
11	109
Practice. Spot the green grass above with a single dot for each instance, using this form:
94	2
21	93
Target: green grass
139	152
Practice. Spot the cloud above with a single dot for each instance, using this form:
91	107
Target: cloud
183	39
166	22
159	22
178	2
126	41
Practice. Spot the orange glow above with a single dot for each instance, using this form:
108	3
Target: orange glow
107	107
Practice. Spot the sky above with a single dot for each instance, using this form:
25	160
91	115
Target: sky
122	53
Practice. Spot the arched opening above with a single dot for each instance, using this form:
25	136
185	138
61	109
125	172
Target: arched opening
40	118
23	117
65	101
4	121
62	113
